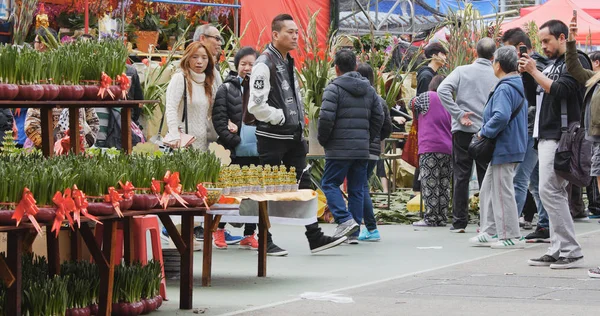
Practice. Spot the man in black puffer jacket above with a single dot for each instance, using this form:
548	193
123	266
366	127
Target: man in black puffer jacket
351	117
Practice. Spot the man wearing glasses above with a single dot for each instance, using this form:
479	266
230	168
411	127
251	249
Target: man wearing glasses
212	39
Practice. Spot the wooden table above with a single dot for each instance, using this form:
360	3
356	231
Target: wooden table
74	106
20	239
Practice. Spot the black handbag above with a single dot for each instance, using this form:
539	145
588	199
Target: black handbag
482	148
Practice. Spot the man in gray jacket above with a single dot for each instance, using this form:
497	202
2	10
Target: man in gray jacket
351	117
471	84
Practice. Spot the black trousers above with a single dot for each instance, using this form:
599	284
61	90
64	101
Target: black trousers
462	165
576	205
529	209
290	153
249	228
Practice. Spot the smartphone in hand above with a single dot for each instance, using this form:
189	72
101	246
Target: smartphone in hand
522	50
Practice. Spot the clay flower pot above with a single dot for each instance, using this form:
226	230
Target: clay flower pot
5	218
31	92
71	92
159	301
84	311
145	39
116	91
8	91
144	202
100	208
125	204
90	92
51	92
94	309
46	214
192	201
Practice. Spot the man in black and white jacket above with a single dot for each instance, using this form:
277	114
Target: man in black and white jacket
276	103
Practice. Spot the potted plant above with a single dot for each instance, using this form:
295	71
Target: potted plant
314	73
28	72
71	66
148	27
127	290
8	58
151	299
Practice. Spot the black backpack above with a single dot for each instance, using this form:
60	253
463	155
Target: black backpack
573	157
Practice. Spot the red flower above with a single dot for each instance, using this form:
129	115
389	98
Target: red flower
145	61
222	58
310	55
321	55
305	119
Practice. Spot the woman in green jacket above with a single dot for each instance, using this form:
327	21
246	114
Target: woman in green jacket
591	80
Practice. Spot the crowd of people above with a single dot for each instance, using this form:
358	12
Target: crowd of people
520	103
512	98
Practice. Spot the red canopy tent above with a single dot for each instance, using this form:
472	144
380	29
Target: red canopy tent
260	13
561	10
591	7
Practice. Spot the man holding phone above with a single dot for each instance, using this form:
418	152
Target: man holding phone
555	87
526	175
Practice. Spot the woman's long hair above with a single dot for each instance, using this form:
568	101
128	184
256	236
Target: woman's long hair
209	71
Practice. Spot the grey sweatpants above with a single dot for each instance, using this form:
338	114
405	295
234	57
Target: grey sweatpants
553	193
498	206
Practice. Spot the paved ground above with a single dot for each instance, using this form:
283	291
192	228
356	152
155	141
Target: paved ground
395	277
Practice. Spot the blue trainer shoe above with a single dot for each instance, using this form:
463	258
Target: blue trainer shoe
232	240
366	235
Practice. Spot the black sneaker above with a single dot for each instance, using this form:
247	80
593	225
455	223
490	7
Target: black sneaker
543	261
539	235
274	250
567	263
199	233
324	242
460	230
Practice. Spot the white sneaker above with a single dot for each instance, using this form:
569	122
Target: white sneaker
483	240
511	243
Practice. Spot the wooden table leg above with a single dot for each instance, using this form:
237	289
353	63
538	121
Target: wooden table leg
74	130
75	244
128	240
187	262
392	183
47	132
263	231
207	250
126	130
53	253
14	255
107	269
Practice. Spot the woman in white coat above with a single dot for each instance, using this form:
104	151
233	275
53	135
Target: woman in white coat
197	79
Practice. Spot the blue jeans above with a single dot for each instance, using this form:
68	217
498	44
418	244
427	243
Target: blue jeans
524	174
336	170
527	177
534	187
369	216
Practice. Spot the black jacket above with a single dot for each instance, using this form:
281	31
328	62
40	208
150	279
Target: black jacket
228	106
424	76
563	87
386	130
6	122
530	89
351	117
274	84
